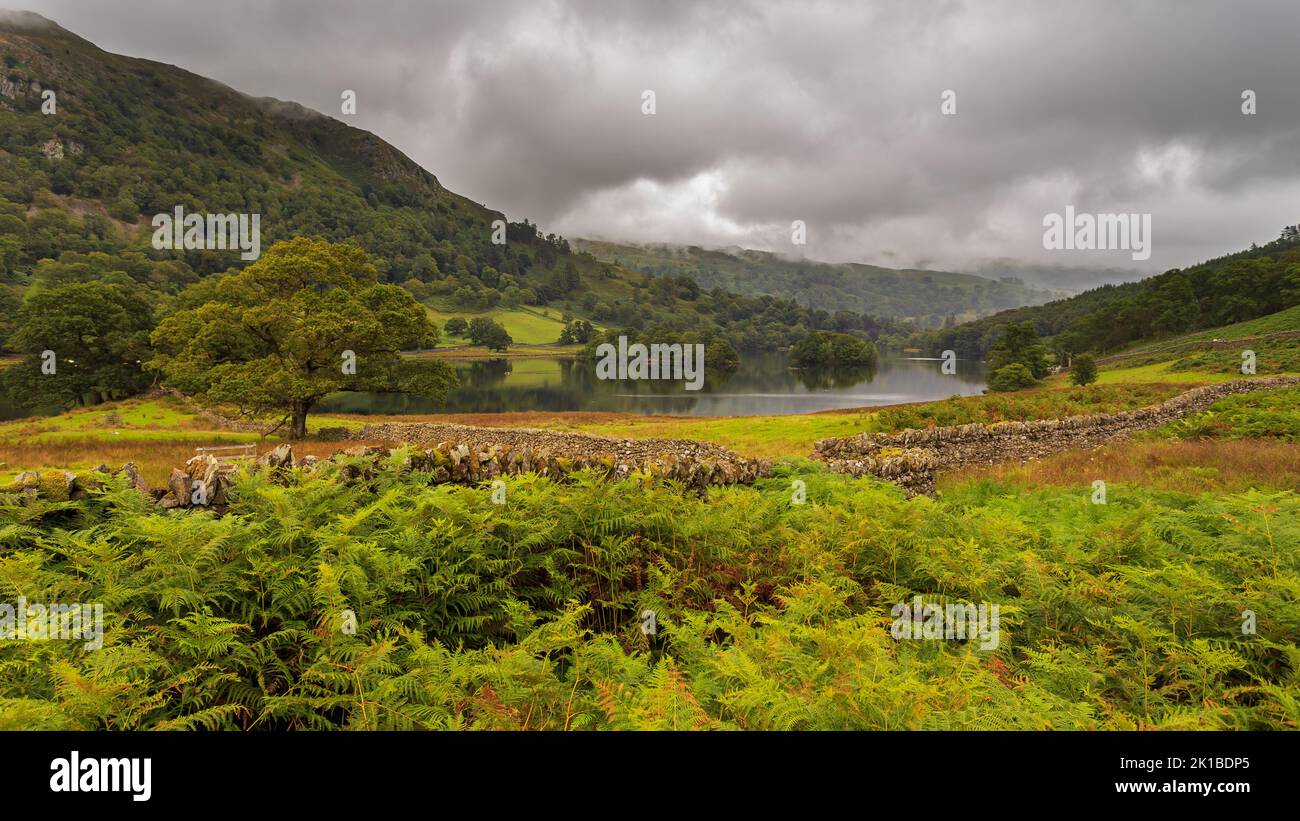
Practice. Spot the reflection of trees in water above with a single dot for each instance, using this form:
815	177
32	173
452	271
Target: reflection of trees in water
826	378
485	373
557	385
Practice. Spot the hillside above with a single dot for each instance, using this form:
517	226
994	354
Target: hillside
1274	340
927	297
129	139
1235	288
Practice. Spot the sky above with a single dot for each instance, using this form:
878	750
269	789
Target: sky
768	112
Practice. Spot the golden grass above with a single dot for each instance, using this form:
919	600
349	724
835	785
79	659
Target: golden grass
1187	466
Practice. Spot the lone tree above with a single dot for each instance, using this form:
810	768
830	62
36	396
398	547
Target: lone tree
1019	343
307	319
1083	369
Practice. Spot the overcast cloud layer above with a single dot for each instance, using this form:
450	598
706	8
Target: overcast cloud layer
769	112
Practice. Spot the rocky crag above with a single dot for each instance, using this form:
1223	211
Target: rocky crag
912	457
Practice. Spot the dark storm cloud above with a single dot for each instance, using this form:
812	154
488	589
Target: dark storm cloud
770	112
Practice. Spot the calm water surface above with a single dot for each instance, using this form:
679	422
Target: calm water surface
765	385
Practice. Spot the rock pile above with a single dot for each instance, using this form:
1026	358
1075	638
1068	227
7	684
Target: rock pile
911	457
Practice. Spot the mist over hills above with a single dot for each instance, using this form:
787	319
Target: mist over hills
94	145
927	297
133	137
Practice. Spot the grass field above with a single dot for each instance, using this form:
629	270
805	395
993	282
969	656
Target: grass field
514	352
1274	339
1159	372
526	325
156	434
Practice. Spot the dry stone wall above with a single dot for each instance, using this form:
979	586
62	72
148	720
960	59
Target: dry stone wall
912	457
474	455
484	452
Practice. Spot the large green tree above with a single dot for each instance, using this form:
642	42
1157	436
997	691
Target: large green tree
79	341
307	319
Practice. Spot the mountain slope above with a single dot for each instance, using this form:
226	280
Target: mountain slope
926	296
1256	282
132	138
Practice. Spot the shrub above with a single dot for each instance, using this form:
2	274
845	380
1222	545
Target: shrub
1083	370
1011	377
471	615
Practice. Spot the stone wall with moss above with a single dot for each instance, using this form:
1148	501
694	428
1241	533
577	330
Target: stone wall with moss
911	457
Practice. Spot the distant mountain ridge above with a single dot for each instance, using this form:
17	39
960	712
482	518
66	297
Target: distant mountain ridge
927	297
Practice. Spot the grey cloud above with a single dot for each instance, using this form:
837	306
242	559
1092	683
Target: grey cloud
774	111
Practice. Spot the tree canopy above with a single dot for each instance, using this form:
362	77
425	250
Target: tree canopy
489	333
833	349
97	335
307	319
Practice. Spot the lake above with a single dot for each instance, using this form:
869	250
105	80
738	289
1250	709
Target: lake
764	385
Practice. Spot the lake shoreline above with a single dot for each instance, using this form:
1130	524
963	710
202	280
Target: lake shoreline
477	353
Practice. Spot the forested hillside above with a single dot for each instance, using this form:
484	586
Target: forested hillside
930	298
1234	288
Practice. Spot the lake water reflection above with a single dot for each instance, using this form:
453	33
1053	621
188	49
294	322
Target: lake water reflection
764	385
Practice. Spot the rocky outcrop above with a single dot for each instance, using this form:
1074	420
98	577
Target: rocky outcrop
912	457
15	87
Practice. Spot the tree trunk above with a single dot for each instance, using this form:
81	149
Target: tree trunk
298	426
